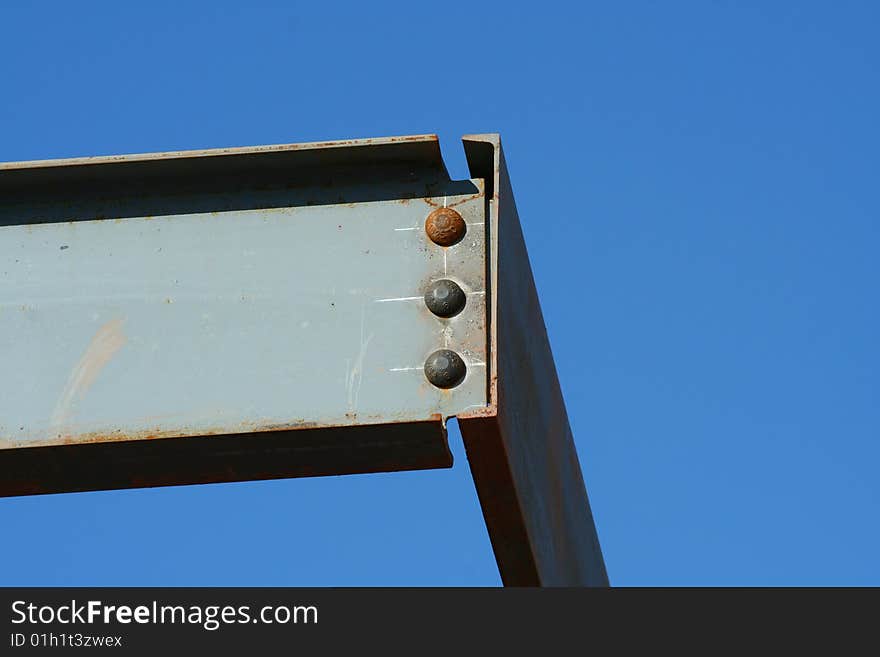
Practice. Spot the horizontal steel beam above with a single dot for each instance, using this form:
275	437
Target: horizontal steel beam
249	295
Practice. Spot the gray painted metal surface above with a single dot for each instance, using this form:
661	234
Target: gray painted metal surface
234	321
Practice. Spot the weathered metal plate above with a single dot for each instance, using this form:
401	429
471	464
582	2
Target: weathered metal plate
520	448
235	321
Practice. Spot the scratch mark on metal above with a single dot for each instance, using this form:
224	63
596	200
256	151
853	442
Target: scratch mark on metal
355	376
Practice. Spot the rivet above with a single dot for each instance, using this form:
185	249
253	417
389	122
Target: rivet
445	368
445	298
445	226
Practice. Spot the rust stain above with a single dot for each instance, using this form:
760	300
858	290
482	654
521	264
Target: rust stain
108	340
434	203
67	437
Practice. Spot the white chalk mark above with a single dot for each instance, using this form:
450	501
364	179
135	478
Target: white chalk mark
476	223
444	201
476	294
416	228
444	262
397	299
477	364
405	369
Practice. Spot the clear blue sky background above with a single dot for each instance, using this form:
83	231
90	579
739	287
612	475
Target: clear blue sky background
698	183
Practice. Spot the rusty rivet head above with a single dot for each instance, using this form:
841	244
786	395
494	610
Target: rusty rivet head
445	226
445	368
445	298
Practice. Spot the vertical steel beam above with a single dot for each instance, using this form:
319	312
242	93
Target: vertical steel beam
520	448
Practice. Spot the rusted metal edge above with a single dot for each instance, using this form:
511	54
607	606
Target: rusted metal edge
245	428
348	162
307	452
223	152
520	447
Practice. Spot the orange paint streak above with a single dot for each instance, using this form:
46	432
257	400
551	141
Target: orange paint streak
107	341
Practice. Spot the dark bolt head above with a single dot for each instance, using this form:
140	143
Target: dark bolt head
445	368
444	298
445	226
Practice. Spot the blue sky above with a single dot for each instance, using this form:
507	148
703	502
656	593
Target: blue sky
698	185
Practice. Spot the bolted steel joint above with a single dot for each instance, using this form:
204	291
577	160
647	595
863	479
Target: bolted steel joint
445	368
445	226
445	298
